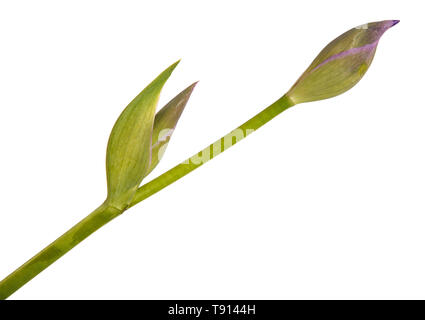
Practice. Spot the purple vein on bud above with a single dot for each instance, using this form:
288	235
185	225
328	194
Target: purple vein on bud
366	48
341	64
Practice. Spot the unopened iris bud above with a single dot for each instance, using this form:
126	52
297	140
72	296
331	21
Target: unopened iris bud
165	122
139	138
128	155
341	64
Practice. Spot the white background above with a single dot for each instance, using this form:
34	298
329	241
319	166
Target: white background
326	201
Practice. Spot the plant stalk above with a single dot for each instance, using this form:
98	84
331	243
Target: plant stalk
214	149
106	213
57	249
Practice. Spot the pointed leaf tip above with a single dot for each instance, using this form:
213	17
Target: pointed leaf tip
129	147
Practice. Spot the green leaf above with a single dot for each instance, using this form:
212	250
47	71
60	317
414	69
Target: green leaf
129	148
165	123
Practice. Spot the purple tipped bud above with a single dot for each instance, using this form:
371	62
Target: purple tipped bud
341	64
165	122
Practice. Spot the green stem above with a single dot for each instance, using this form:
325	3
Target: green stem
106	213
57	249
212	150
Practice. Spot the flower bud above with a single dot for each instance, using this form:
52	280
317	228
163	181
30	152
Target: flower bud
165	122
341	64
129	147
